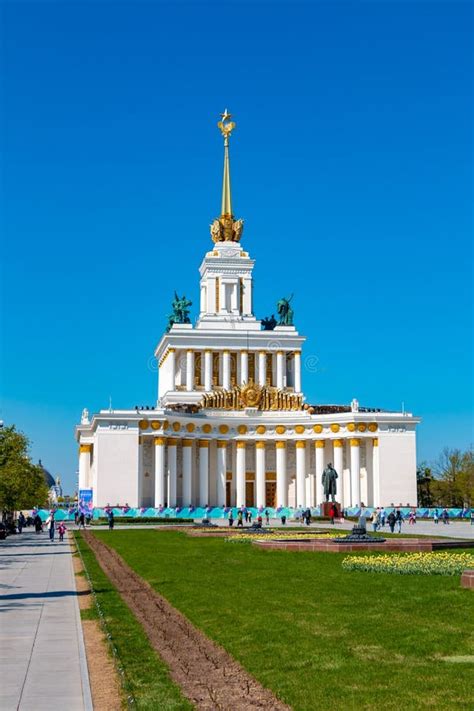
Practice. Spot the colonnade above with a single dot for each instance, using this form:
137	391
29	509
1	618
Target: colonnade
275	368
349	481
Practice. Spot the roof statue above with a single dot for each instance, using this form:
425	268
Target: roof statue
269	323
225	228
285	312
180	306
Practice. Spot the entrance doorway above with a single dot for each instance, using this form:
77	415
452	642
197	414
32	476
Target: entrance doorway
249	493
228	493
270	493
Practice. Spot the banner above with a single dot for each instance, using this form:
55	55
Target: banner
85	499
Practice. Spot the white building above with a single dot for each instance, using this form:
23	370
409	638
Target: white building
231	426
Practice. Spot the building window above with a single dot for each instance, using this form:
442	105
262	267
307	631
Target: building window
215	369
252	366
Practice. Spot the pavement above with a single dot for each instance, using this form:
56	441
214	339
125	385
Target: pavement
455	529
42	656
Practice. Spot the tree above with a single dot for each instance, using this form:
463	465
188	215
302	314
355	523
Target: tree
22	483
424	479
454	482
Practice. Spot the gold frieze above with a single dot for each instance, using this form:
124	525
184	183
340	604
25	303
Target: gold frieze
252	395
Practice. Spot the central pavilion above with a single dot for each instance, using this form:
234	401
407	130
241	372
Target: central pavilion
231	426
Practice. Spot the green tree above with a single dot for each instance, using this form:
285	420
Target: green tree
22	483
454	484
424	479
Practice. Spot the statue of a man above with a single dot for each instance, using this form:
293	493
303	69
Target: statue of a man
285	312
328	481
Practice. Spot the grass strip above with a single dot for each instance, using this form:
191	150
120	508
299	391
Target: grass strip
147	675
318	637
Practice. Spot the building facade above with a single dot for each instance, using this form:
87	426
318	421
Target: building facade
231	425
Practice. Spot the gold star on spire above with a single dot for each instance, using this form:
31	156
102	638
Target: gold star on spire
226	126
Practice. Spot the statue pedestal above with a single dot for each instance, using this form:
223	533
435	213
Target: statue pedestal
326	507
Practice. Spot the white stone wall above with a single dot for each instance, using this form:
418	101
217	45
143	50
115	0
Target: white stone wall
116	454
397	463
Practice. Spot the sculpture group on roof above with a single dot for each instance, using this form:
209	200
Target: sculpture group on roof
180	306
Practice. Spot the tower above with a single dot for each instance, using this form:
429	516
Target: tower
228	346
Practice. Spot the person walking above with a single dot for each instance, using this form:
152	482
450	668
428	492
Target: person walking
383	516
391	521
38	523
374	519
51	526
62	530
445	516
111	519
436	516
240	519
399	520
332	513
231	518
81	520
267	517
21	522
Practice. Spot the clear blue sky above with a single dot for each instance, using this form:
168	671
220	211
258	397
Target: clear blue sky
351	165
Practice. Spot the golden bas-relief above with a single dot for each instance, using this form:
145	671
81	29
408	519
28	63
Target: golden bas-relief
252	395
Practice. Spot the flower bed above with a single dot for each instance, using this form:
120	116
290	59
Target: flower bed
439	563
280	536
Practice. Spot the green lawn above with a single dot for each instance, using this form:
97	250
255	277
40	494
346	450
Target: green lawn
319	637
147	675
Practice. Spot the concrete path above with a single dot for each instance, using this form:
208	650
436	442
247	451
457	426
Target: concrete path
455	529
42	657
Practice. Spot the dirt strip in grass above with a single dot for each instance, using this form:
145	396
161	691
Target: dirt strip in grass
205	672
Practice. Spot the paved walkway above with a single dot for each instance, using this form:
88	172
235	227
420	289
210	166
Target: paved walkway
42	658
455	529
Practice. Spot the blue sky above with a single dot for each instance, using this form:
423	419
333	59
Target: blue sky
351	165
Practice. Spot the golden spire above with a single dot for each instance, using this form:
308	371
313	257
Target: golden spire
226	126
225	228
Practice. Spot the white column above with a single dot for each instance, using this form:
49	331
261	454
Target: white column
171	497
280	369
376	471
172	366
203	472
240	466
262	367
226	370
300	473
260	472
368	497
207	370
282	485
84	465
319	456
189	370
244	367
187	471
297	374
221	471
338	456
355	471
160	443
140	472
247	283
